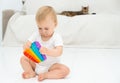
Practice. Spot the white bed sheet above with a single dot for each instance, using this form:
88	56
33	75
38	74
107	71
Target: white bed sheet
86	65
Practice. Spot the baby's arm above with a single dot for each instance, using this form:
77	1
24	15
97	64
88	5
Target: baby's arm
27	45
57	51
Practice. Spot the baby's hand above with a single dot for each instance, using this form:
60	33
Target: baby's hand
43	50
27	45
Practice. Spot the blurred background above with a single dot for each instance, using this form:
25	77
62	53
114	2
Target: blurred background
97	6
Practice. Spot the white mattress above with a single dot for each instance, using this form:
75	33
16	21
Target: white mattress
86	65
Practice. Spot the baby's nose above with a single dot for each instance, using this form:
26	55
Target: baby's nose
43	32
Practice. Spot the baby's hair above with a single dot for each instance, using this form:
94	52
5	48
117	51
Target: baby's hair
45	11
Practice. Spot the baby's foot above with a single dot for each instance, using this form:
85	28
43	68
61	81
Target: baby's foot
41	76
27	75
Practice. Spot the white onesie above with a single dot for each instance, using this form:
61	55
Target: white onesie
54	41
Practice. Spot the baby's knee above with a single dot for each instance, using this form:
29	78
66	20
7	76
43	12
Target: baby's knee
64	71
22	59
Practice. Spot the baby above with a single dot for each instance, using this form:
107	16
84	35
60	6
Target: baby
52	47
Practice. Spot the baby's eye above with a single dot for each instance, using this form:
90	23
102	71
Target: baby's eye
40	28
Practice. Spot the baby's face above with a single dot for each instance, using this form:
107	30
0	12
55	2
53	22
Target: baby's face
46	27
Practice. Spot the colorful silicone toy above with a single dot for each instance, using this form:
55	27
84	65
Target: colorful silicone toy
34	54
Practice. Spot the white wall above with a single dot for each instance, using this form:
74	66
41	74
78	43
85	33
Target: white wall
12	4
0	24
109	6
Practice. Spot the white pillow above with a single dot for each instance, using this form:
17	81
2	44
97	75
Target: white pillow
87	30
23	27
32	6
68	27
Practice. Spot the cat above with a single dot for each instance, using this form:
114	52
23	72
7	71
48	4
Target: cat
84	11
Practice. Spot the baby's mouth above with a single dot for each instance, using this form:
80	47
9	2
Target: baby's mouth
45	35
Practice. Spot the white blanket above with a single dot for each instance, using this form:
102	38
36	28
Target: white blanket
86	66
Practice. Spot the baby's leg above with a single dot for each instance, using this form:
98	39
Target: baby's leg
28	67
56	71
